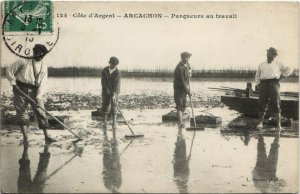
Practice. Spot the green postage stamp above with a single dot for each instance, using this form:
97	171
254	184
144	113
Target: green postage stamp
27	23
27	16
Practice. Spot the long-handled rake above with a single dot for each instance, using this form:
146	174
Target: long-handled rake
78	152
64	125
132	135
194	118
192	143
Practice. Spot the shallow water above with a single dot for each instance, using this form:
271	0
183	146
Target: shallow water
142	85
156	163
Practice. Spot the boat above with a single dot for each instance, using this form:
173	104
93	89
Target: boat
246	101
249	106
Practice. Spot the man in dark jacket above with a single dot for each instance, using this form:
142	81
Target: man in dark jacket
182	76
110	81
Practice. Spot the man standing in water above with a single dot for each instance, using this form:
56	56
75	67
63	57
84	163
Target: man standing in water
110	81
29	77
181	85
267	78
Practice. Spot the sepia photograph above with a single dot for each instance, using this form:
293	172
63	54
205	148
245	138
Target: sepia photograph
149	97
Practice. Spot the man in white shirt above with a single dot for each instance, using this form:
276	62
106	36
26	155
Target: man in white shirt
267	78
30	76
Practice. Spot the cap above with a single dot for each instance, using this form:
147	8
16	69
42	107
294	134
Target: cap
41	49
272	50
113	61
187	54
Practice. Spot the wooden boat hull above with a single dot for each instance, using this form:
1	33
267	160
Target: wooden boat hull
249	106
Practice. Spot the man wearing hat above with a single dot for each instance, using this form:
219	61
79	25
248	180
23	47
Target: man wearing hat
110	81
30	76
181	84
267	78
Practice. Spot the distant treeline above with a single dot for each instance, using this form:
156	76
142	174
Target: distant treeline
87	71
74	71
228	73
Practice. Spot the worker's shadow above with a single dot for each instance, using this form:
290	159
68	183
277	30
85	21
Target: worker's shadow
181	163
264	172
112	172
25	184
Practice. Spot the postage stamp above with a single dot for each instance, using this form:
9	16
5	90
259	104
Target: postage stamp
28	16
27	23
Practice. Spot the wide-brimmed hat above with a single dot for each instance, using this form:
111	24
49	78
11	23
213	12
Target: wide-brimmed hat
186	54
272	50
113	61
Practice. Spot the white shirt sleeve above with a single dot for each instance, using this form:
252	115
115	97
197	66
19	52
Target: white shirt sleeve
43	83
257	76
12	70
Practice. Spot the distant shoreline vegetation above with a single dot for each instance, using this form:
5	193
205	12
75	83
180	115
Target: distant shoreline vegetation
96	72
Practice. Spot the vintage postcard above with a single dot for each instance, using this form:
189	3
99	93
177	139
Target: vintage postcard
149	97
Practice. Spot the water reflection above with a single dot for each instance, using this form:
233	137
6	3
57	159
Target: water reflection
112	172
77	150
25	184
181	163
245	137
264	172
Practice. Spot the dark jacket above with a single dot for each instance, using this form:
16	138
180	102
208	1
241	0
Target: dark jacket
110	82
181	77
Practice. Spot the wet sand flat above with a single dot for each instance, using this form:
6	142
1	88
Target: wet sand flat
159	162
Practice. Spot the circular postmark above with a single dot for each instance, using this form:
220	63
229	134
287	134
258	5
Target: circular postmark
27	23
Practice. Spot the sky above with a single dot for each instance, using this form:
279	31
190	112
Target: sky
215	43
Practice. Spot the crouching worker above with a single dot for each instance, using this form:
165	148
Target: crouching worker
181	85
110	81
29	77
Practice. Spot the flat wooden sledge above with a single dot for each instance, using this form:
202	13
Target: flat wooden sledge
172	116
